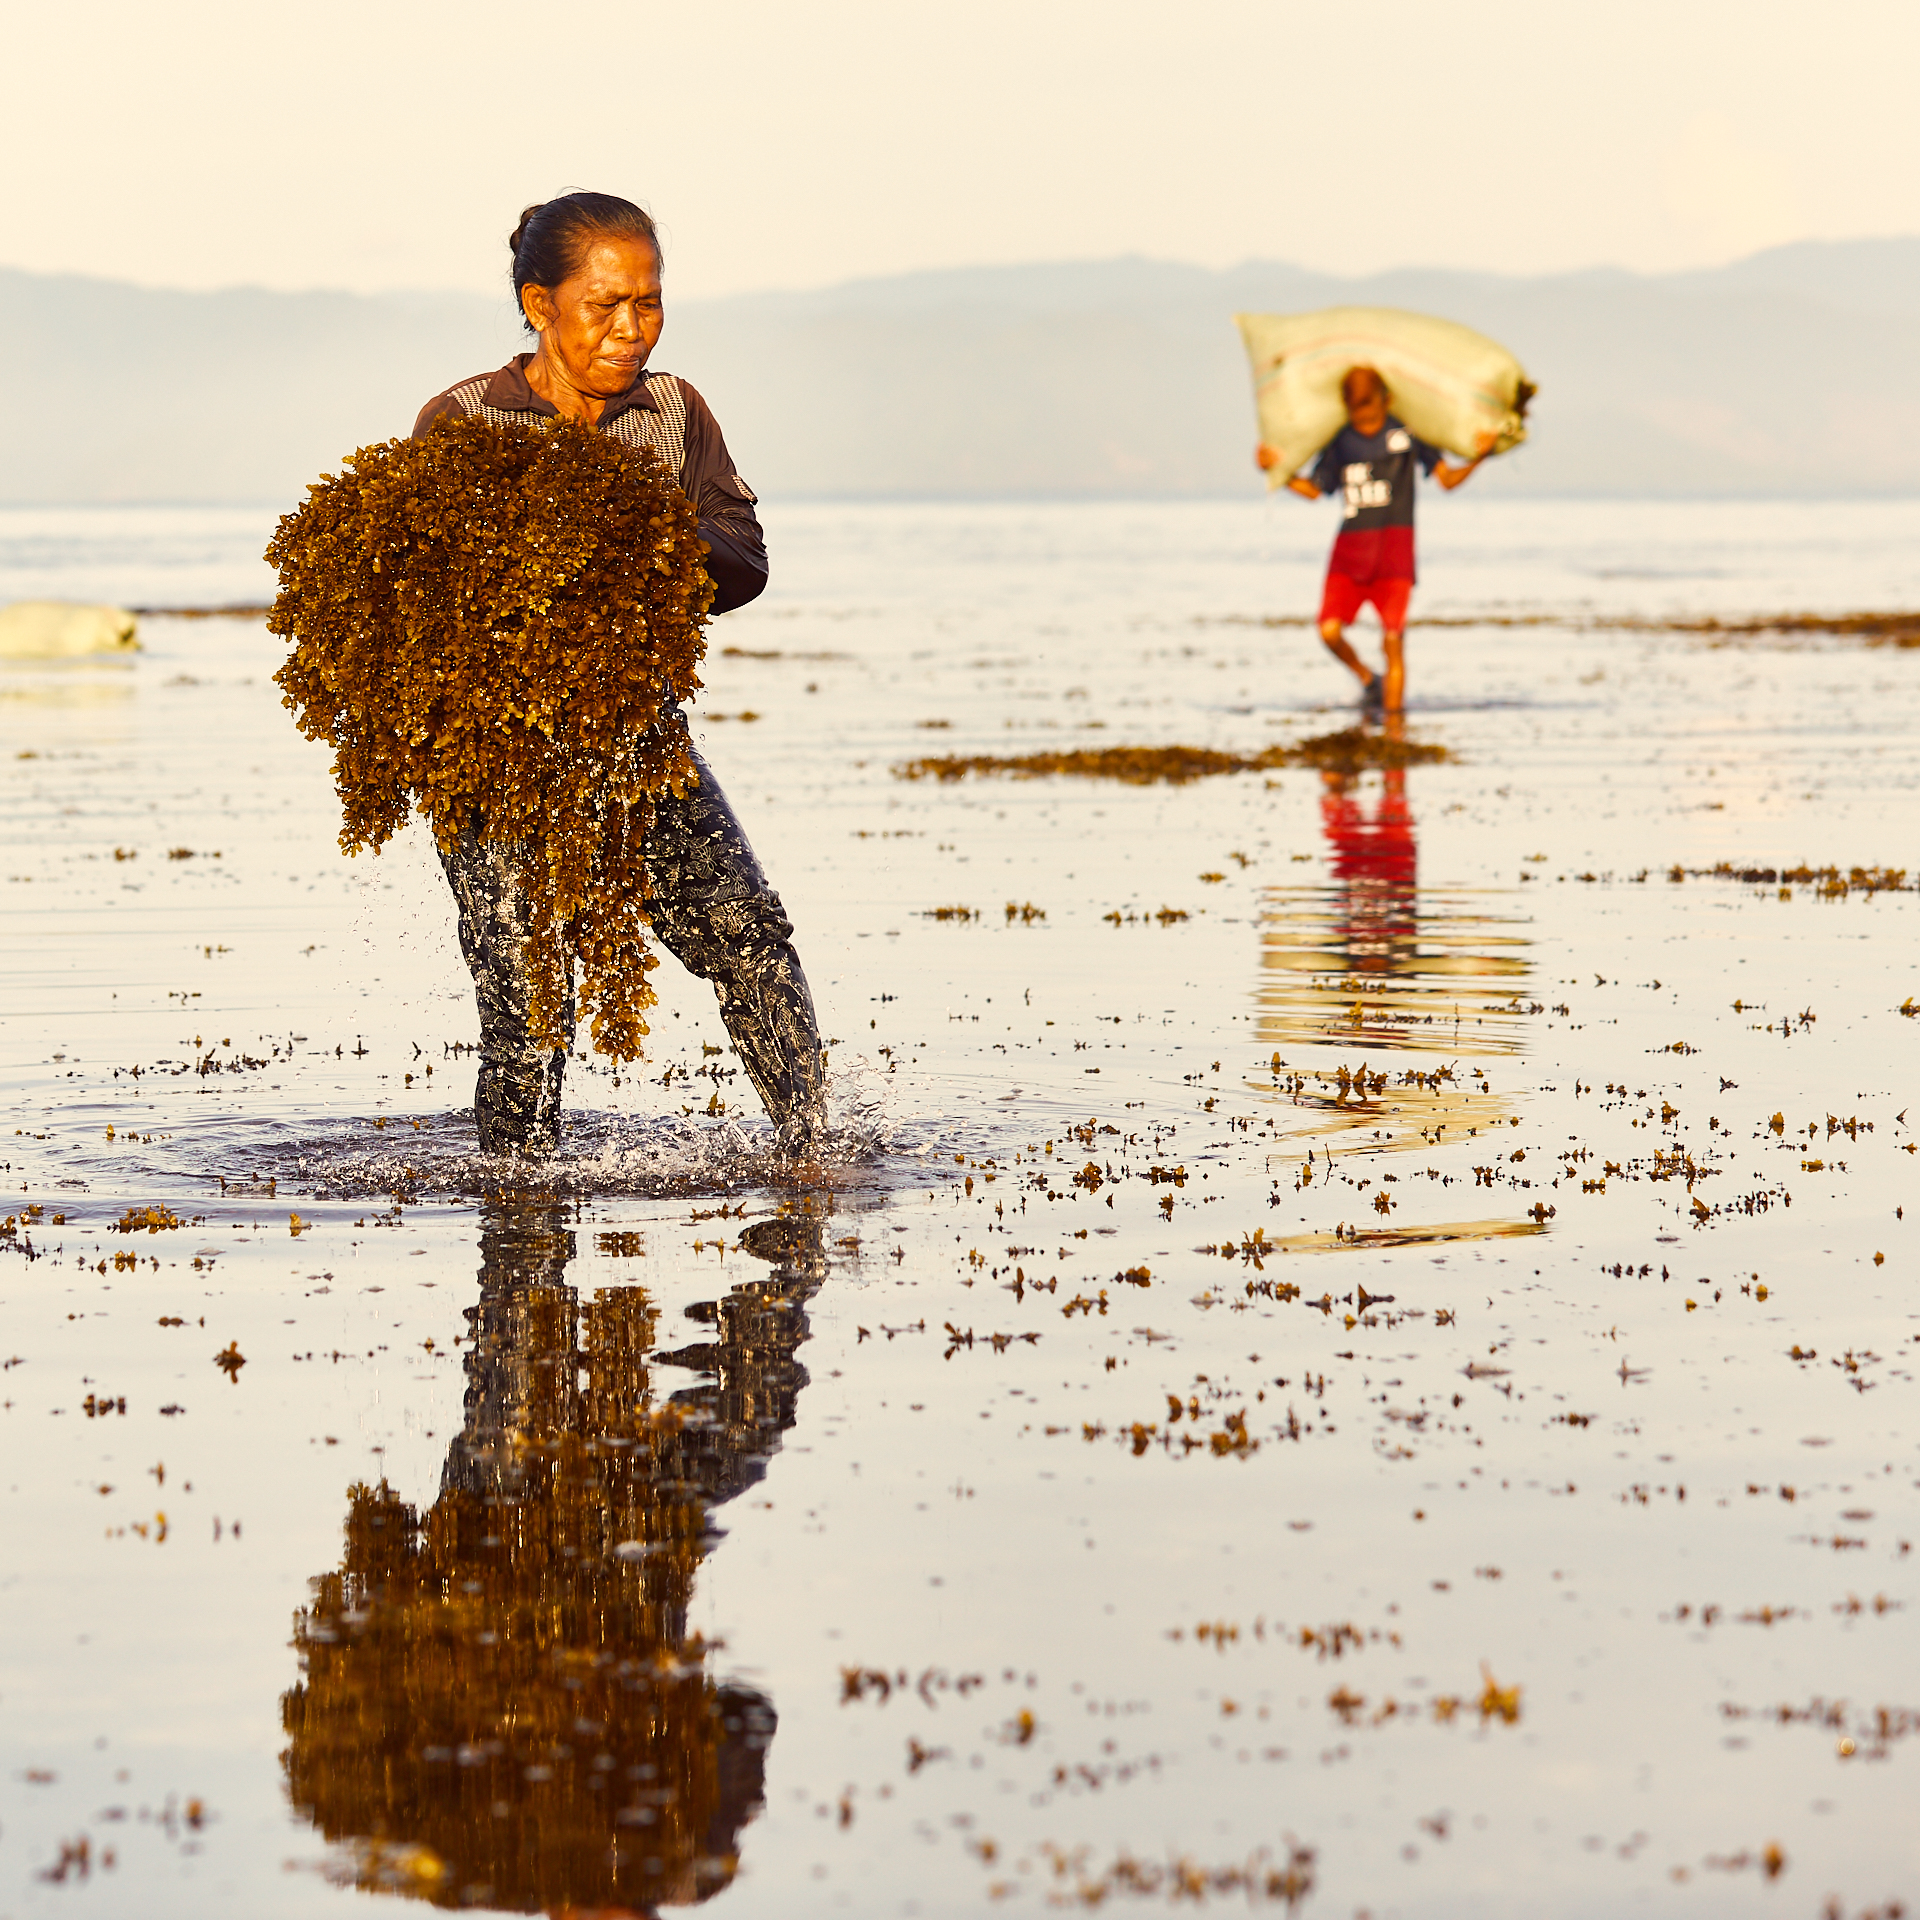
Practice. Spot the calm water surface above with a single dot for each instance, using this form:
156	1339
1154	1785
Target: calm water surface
1356	1354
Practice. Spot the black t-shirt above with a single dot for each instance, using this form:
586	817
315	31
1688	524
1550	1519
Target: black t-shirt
1373	474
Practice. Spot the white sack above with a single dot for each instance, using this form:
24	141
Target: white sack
48	629
1445	383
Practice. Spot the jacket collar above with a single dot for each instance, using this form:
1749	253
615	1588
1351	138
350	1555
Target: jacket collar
509	392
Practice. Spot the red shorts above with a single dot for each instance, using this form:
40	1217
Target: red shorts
1344	598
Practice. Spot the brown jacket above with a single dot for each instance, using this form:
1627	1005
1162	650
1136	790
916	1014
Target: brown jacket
737	552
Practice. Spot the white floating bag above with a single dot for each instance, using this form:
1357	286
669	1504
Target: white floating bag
57	629
1447	384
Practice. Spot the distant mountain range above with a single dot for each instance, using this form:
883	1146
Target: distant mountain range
1795	373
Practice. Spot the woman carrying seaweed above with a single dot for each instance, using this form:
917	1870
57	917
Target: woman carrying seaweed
496	624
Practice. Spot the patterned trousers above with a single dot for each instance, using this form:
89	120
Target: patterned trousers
711	908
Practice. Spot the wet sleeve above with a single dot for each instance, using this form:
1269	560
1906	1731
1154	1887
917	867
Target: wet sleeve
1326	470
737	556
1429	457
437	408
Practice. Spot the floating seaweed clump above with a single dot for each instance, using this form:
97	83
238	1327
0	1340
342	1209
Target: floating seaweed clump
1137	766
496	625
1353	750
1348	751
1897	629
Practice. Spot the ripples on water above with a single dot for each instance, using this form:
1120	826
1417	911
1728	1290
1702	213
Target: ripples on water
1354	1351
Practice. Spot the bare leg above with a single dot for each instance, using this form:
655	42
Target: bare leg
1341	648
1396	675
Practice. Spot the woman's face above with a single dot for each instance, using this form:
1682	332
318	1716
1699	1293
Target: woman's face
601	322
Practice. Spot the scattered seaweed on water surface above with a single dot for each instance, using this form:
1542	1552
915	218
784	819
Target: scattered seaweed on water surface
494	625
1350	750
1262	1879
1892	628
1832	883
239	610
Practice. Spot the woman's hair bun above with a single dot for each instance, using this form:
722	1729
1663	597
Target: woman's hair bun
519	232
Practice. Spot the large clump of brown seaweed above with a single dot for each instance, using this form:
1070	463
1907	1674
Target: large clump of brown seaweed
495	624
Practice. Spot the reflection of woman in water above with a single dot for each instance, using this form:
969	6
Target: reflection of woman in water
1375	862
501	1704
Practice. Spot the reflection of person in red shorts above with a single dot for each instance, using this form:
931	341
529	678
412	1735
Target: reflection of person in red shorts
1370	463
1375	866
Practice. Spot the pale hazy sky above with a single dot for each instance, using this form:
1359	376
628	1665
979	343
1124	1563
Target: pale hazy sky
781	143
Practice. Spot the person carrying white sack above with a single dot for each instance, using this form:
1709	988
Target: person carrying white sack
1372	464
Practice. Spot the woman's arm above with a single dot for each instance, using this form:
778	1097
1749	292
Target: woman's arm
437	408
728	524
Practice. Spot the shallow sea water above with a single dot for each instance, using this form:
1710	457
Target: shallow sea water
1357	1358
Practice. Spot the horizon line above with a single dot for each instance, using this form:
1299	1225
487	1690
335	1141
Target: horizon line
1249	263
